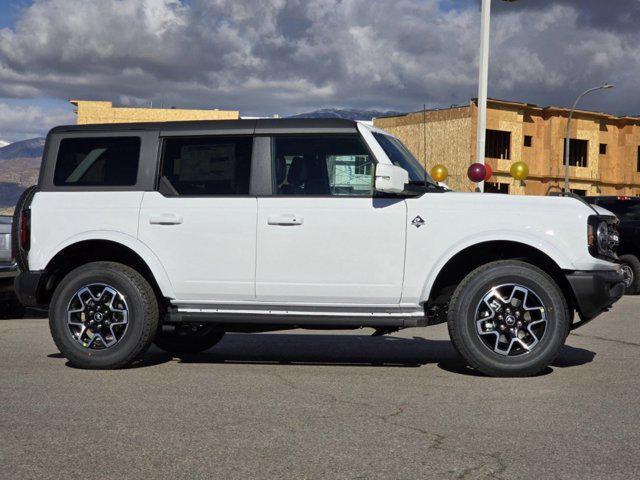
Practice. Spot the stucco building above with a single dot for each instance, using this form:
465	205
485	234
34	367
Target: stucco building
605	149
90	112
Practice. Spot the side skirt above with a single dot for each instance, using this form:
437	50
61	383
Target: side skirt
296	317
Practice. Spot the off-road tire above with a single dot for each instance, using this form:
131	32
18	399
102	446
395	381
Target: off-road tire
179	343
633	263
462	319
142	319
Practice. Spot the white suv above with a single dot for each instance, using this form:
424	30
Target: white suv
176	233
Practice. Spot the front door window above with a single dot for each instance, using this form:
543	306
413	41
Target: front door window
322	166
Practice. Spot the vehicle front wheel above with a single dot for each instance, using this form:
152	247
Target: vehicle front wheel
187	338
631	270
508	319
103	315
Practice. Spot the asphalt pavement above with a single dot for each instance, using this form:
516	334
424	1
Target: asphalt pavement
323	405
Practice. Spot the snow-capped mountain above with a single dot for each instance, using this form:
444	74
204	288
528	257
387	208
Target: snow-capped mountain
19	167
24	149
346	113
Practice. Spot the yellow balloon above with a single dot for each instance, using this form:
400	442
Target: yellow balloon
519	171
439	173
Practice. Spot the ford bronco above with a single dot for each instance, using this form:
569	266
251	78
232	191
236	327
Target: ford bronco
176	233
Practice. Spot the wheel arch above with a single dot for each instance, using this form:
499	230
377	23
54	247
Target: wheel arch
459	264
128	251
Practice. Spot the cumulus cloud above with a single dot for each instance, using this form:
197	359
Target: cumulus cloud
287	56
19	122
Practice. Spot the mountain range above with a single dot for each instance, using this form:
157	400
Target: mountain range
346	113
19	168
20	161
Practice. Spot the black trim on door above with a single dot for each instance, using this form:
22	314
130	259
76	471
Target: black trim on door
260	180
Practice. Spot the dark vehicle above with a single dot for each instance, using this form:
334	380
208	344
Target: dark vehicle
627	209
7	265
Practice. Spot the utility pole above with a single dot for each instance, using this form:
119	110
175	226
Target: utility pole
483	83
567	139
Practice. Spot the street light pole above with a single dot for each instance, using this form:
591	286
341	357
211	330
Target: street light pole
567	139
483	82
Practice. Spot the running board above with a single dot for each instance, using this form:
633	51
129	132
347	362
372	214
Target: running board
302	317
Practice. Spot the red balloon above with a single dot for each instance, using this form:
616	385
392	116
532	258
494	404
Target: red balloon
487	176
477	172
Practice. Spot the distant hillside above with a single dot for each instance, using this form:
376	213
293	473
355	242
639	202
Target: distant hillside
19	168
23	149
20	161
346	113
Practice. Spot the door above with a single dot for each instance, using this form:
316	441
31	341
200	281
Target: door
322	237
202	222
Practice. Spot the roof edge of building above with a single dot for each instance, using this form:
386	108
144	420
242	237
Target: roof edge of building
496	102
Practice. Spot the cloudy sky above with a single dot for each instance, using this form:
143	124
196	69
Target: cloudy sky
289	56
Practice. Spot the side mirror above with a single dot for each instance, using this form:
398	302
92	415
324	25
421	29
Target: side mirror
391	178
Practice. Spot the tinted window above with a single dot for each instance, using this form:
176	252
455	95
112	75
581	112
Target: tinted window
401	157
106	161
208	165
322	165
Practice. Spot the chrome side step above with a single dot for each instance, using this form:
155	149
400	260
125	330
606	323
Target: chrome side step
297	316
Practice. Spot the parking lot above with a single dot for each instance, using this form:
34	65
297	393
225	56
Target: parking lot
323	405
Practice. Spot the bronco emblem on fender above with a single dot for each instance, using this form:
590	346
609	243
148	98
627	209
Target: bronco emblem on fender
418	222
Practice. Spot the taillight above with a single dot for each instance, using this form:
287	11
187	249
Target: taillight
25	230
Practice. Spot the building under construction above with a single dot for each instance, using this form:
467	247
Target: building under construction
604	152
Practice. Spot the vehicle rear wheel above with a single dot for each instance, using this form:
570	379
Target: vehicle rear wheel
631	269
103	315
508	319
187	338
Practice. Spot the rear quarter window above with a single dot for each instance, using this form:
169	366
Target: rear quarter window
100	161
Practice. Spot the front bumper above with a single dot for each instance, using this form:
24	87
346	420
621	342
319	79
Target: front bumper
595	291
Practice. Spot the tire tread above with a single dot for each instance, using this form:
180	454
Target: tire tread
454	328
150	318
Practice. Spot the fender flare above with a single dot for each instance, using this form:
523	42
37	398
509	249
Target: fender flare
537	243
132	243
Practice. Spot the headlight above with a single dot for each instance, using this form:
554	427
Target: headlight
603	236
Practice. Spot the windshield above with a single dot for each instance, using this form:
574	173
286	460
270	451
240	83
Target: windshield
401	157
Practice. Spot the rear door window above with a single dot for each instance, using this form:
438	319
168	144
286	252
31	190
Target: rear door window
207	166
100	161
